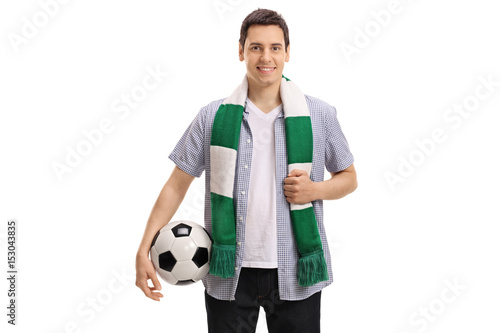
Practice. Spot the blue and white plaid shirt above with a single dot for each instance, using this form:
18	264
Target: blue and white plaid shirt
331	150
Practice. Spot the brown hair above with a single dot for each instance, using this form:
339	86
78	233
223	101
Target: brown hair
264	17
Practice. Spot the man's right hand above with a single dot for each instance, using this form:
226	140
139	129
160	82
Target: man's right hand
145	270
166	205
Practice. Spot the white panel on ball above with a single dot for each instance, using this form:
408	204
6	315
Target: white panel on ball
184	248
154	257
202	271
164	241
167	276
184	270
199	236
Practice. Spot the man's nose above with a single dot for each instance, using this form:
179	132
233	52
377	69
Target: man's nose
265	56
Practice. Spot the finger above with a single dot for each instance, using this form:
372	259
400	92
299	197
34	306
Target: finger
155	297
150	293
156	282
143	285
155	294
299	172
296	172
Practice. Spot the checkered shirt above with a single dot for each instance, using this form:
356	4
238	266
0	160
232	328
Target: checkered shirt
331	150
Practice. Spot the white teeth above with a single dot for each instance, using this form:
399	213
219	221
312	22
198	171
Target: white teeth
266	69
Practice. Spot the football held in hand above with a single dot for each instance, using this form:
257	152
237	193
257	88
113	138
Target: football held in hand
180	252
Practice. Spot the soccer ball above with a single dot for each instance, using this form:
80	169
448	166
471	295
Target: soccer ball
180	252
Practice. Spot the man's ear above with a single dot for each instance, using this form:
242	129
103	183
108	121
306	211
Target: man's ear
287	56
240	52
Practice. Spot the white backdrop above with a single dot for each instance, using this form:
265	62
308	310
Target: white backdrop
416	85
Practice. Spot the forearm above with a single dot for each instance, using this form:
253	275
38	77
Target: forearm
340	185
164	208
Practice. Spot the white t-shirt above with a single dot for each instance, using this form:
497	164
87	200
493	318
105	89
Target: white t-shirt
261	243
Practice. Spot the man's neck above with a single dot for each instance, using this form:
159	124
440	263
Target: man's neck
265	98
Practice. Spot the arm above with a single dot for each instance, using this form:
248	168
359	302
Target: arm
166	205
300	189
338	186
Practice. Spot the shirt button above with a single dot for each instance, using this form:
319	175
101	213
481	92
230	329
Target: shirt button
248	140
246	166
242	192
239	243
236	268
241	218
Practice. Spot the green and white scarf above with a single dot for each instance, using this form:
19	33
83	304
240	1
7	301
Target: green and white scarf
223	151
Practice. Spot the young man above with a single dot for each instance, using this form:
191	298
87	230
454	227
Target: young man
264	191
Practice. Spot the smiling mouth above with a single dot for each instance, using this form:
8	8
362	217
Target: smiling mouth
266	69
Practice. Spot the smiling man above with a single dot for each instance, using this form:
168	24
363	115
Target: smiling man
265	51
264	149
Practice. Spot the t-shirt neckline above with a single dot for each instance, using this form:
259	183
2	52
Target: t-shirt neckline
261	113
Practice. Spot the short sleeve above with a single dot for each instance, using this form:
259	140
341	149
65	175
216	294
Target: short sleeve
337	153
188	154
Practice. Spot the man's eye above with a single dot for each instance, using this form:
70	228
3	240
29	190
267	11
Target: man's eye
254	47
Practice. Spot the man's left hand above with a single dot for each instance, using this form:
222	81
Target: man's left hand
299	188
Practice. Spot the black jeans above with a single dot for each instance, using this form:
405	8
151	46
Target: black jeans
259	287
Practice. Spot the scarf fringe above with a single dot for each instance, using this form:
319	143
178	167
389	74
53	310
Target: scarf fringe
222	260
312	269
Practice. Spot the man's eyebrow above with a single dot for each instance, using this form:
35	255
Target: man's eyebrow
259	44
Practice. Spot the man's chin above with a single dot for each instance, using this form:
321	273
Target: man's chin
265	80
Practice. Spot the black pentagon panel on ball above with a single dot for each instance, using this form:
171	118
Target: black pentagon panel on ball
154	239
181	230
167	261
184	282
200	257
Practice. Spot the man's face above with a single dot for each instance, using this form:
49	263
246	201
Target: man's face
264	54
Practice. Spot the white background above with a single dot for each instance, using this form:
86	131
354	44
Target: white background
393	249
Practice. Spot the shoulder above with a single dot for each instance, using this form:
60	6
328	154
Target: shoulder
213	106
207	113
319	108
317	104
